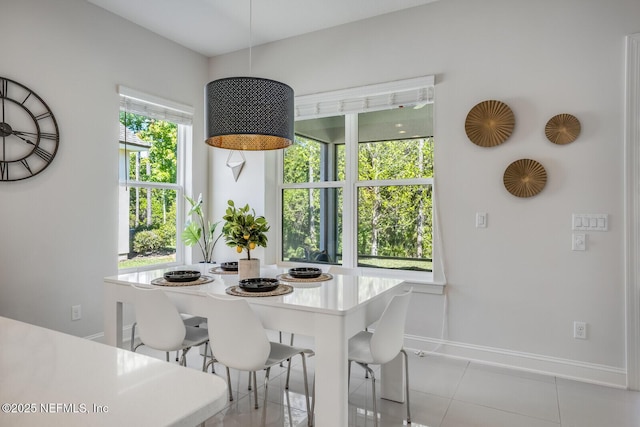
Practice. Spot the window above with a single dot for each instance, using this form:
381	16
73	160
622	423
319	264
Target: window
152	137
357	187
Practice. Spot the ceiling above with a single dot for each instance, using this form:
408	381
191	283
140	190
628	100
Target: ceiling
215	27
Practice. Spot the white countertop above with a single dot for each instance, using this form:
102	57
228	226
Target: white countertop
48	378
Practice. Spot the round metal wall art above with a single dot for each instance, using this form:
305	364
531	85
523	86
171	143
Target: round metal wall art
562	129
525	178
489	123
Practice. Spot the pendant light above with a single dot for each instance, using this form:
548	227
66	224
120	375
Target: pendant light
249	113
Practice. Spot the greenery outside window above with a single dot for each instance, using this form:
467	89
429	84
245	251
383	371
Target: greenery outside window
152	139
356	188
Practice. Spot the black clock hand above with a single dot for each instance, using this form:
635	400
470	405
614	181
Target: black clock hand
4	88
41	135
20	132
42	153
19	135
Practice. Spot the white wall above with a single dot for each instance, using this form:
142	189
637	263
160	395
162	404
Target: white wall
59	229
514	288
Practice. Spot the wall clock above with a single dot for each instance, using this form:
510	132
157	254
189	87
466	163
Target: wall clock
28	132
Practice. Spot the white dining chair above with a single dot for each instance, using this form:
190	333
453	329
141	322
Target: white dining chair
245	346
161	327
188	320
383	345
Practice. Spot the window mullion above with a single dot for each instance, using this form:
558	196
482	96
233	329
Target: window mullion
350	211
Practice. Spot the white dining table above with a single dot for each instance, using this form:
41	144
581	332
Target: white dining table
330	311
48	378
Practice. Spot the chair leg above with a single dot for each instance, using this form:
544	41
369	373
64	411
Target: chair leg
366	373
204	358
266	389
280	341
255	387
406	382
286	384
306	389
373	392
249	386
212	361
290	343
313	402
183	358
229	385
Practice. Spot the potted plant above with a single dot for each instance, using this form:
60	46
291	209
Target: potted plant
245	231
200	232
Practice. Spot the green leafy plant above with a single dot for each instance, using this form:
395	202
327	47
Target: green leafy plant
244	230
147	241
200	232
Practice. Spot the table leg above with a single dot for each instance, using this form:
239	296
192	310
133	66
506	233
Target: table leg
112	319
392	380
331	394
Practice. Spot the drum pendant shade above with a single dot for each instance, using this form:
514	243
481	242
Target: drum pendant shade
249	113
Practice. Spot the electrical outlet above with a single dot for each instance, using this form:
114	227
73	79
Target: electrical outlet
579	242
580	330
76	312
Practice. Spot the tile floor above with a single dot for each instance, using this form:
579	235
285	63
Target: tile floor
444	393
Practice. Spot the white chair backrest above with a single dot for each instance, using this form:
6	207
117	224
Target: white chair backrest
238	339
159	323
388	337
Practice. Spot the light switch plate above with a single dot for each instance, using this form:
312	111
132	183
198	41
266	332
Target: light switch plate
590	222
481	220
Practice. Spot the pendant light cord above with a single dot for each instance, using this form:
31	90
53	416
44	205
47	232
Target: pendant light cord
250	33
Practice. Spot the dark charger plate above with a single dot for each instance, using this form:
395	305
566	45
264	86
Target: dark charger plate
305	272
258	284
229	266
182	276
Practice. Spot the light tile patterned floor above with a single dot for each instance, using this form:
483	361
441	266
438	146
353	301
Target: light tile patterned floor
444	393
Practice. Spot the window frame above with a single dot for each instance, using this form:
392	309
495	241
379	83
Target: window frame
350	103
182	115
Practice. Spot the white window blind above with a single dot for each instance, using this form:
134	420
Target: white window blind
383	96
141	103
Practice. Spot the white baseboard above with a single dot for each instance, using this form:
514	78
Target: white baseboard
126	336
547	365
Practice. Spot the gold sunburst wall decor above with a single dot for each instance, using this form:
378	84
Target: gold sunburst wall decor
562	129
525	178
489	123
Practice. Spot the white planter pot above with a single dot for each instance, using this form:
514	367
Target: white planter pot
248	268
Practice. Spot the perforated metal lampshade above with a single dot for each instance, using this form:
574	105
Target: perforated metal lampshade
249	113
